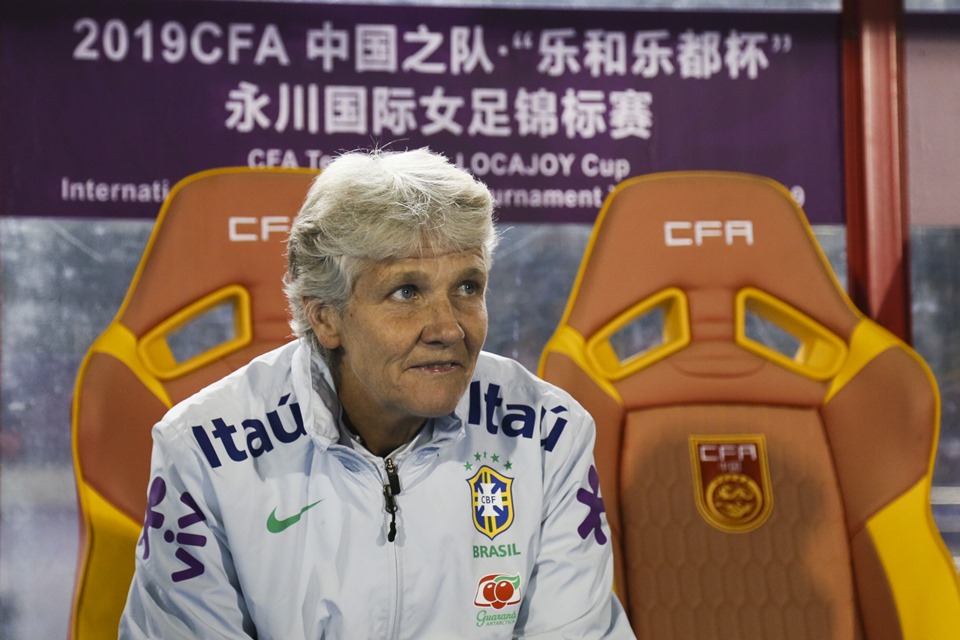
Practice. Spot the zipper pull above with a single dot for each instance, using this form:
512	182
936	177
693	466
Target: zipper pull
390	491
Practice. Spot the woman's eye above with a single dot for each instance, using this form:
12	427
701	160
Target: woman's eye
406	292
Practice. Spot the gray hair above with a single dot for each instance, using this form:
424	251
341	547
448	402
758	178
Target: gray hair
376	205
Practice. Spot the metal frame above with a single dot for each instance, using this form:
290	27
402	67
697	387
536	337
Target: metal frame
877	217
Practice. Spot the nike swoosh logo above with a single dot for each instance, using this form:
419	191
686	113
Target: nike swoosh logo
275	525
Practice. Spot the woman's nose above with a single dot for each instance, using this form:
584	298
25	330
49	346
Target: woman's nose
443	324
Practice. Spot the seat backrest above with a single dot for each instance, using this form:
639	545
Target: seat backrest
765	451
206	298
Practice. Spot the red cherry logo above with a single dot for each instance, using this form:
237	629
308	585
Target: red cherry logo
498	591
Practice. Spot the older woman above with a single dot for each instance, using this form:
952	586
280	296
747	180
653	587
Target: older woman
379	477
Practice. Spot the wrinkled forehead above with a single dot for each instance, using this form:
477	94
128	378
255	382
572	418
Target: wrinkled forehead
428	263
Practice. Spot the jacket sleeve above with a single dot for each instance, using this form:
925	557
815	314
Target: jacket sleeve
184	585
570	594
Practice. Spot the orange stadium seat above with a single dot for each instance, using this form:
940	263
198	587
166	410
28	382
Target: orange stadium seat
206	298
765	451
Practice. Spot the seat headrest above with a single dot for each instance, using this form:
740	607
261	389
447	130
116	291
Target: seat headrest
220	227
704	232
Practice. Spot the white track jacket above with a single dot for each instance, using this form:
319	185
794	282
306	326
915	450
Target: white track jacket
266	520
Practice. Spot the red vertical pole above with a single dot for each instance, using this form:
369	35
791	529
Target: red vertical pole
877	221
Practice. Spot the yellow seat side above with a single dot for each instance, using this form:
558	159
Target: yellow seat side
921	573
108	566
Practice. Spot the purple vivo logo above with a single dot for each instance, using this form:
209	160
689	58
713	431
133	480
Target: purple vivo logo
593	500
155	520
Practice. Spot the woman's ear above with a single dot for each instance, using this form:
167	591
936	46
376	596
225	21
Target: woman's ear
325	322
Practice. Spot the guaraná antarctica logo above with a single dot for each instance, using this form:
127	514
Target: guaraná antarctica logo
496	591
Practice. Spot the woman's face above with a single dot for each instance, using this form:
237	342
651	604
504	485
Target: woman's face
409	337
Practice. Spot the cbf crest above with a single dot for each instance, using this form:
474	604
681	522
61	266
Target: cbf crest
492	494
731	480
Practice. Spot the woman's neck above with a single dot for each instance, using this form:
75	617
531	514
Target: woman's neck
383	440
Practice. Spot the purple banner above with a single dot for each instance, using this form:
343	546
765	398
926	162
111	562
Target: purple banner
106	105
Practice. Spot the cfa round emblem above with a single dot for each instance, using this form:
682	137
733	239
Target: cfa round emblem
734	499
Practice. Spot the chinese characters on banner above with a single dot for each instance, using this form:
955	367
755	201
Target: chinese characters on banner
491	112
551	108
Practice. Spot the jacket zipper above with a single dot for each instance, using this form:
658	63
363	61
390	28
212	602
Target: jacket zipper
390	492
